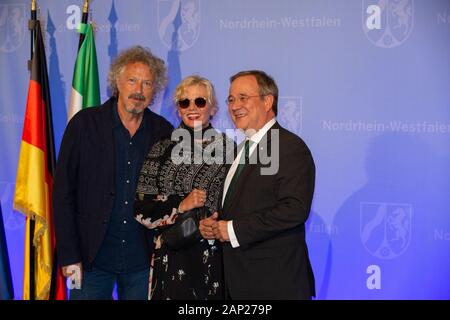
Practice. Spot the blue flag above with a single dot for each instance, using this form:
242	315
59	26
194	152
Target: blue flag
6	288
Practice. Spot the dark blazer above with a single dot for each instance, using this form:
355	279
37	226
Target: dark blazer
83	193
269	214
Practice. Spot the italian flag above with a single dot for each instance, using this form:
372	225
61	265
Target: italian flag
85	84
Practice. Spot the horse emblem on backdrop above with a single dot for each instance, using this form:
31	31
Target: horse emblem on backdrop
179	23
385	228
388	23
13	27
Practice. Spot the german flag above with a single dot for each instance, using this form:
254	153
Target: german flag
34	184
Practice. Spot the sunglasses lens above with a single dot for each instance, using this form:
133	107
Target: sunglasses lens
183	103
200	102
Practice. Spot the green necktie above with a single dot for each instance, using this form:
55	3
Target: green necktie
242	162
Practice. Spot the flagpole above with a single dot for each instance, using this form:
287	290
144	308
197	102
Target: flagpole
31	223
84	19
33	33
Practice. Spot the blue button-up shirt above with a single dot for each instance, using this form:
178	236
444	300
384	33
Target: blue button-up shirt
124	247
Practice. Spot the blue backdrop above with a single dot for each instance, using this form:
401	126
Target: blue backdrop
364	82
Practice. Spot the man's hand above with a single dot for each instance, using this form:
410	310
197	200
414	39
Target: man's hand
195	199
206	226
75	274
68	270
220	230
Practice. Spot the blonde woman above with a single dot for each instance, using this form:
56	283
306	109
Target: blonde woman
178	177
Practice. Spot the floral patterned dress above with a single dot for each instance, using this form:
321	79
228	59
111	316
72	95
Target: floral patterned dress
195	271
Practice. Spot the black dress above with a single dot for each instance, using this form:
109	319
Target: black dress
171	170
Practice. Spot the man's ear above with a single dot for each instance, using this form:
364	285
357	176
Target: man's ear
268	102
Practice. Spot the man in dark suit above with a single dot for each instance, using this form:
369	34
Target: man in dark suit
266	200
98	241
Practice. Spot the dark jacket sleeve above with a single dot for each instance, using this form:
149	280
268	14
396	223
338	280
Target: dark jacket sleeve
149	207
65	195
294	191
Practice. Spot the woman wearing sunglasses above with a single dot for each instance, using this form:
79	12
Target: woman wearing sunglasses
168	188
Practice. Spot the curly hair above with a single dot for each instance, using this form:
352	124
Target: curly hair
138	54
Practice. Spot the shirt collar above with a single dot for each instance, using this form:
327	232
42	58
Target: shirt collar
256	138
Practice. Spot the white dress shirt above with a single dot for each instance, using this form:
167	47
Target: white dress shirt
255	138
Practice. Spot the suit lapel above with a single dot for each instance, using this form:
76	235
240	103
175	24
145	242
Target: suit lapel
249	171
104	125
234	196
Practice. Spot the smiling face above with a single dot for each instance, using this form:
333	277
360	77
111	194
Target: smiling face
135	86
193	116
249	109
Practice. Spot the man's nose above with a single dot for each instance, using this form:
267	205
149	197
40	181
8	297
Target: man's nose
236	105
140	86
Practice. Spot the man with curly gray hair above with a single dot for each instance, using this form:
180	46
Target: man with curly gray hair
143	55
99	242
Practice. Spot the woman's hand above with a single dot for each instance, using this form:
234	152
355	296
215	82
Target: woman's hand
195	199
